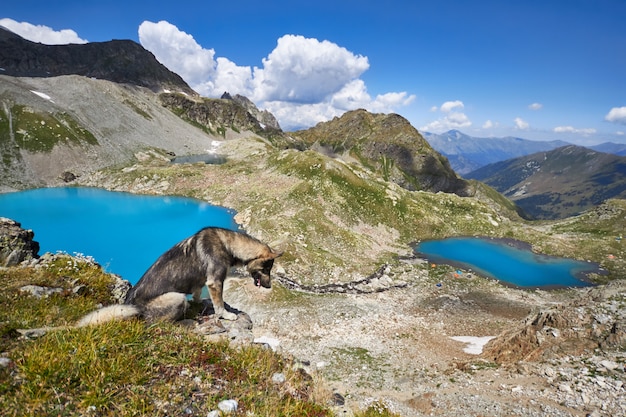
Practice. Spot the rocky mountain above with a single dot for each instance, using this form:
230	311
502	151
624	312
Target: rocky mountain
120	61
265	118
119	101
51	126
387	144
216	116
467	153
558	183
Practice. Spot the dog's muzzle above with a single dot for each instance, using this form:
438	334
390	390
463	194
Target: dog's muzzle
262	280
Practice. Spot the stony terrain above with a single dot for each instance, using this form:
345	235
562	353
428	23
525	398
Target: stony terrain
397	345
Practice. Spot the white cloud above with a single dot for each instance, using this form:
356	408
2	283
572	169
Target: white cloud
617	115
352	96
488	124
521	124
302	81
448	106
571	129
535	106
179	52
452	118
42	34
305	70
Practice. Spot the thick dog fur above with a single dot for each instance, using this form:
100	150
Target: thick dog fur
202	259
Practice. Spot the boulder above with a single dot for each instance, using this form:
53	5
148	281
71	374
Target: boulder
16	244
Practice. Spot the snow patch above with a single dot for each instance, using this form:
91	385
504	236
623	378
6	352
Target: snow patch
474	345
214	146
42	95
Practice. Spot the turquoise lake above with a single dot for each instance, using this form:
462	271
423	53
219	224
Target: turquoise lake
507	262
123	232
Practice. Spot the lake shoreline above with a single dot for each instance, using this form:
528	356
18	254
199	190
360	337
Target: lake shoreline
582	273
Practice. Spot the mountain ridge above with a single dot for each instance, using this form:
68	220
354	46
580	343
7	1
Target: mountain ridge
559	183
468	153
120	61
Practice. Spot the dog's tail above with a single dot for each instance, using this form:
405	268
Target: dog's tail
170	306
109	313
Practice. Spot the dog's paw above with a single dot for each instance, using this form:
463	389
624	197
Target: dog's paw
227	315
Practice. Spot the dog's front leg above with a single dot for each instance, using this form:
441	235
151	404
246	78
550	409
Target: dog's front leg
216	288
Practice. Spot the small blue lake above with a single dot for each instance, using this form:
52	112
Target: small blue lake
508	261
123	232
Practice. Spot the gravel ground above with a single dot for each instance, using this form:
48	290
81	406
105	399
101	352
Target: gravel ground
396	346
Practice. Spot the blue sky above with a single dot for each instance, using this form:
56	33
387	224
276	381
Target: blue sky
537	69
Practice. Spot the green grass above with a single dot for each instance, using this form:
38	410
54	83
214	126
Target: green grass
40	132
131	368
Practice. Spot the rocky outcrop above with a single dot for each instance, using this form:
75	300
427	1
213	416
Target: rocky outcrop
16	244
597	320
264	117
388	144
216	116
120	61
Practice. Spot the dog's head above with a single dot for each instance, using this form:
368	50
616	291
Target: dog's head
260	269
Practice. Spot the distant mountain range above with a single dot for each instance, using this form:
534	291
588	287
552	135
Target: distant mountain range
558	183
468	153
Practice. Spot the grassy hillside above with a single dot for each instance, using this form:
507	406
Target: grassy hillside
336	221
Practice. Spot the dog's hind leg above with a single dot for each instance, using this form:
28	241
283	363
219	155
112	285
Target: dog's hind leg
197	295
216	289
170	306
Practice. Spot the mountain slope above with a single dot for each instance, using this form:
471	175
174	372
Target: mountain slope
388	144
120	61
55	125
468	153
559	183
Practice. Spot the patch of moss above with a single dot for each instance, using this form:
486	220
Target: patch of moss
39	132
360	359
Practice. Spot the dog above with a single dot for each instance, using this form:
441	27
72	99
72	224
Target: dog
202	259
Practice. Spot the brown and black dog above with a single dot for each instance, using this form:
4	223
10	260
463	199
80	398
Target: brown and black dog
202	259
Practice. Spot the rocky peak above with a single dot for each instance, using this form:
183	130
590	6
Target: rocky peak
121	61
263	116
218	115
390	145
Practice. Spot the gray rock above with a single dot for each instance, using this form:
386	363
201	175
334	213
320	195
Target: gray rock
16	244
228	406
40	292
278	378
